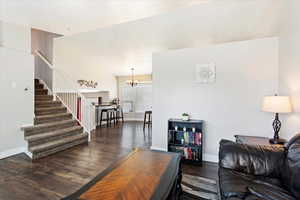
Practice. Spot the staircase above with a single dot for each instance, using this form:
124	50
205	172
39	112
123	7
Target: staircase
54	128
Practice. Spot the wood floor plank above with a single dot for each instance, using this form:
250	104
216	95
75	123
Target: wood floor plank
63	173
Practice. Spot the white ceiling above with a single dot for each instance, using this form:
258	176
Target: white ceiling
132	44
73	16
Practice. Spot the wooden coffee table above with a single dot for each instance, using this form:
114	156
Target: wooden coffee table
142	175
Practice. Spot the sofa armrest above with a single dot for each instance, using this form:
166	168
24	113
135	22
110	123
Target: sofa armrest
255	160
269	194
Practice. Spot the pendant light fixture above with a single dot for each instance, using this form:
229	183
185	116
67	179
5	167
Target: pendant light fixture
132	82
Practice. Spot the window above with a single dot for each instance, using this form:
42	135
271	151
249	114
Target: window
138	98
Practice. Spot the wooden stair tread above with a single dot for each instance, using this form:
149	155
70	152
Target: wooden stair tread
51	108
43	97
53	144
45	102
57	149
46	135
40	89
52	116
47	125
39	86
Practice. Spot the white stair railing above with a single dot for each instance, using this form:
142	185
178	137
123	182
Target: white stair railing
75	102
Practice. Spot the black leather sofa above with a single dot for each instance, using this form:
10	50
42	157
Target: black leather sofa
259	172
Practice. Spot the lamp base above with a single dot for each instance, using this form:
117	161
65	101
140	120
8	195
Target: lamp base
277	141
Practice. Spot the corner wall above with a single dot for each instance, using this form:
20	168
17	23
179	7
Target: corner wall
16	105
289	65
246	72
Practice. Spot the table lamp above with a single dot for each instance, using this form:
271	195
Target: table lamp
277	104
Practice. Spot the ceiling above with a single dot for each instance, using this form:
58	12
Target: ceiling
133	43
74	16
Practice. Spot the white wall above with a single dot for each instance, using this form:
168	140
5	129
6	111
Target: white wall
99	55
1	32
246	71
1	9
43	42
289	65
16	105
15	37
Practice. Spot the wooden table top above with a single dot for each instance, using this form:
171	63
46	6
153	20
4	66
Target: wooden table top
142	175
255	140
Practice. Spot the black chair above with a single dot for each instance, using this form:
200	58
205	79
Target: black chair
147	119
110	116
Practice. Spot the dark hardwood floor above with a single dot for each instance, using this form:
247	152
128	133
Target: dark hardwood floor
63	173
207	170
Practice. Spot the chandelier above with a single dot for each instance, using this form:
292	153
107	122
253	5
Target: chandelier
132	82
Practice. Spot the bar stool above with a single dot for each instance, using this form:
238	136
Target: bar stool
147	119
110	116
119	113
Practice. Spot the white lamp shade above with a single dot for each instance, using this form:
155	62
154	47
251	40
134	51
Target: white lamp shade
277	104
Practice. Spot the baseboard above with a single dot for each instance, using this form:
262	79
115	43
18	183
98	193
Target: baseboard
29	154
133	119
126	120
11	152
26	126
210	158
158	148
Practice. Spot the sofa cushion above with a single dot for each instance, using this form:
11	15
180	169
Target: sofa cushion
250	159
269	192
235	184
252	197
249	197
291	172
